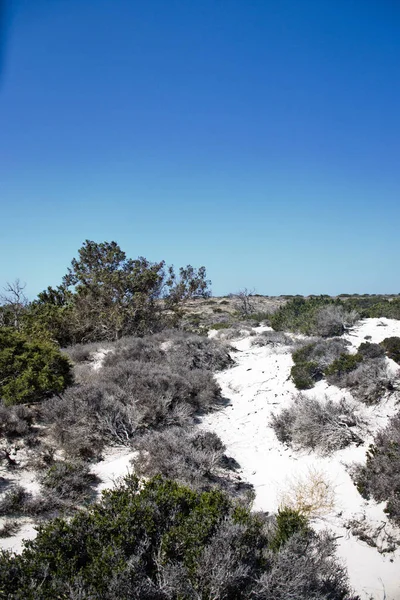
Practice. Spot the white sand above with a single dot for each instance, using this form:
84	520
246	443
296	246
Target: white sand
258	386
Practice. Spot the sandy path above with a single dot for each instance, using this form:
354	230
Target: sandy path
257	387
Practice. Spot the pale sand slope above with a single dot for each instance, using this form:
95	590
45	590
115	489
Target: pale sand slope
257	387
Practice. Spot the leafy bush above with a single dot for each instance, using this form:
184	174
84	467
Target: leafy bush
342	366
162	541
368	350
288	523
313	316
305	374
379	478
392	348
311	360
325	426
30	370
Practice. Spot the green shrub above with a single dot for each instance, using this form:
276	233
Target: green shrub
162	541
30	370
288	523
305	374
344	364
368	350
392	348
379	478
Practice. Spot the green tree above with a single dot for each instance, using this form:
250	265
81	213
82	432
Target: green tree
113	295
30	370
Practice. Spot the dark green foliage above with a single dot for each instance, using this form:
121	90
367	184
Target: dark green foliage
312	360
288	523
305	316
298	315
368	350
379	478
392	348
162	541
30	370
305	374
343	365
375	306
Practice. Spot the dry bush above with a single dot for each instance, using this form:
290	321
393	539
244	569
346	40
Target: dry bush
272	339
126	397
320	351
317	425
369	382
333	320
190	457
84	352
9	528
311	494
379	478
305	569
15	421
69	481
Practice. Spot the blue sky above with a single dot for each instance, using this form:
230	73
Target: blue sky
260	138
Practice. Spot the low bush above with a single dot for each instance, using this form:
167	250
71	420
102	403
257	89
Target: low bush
70	481
194	458
391	346
30	370
84	352
272	339
333	320
310	495
221	325
133	392
305	374
162	541
9	528
321	315
379	478
368	382
15	421
368	350
342	366
312	359
317	425
17	501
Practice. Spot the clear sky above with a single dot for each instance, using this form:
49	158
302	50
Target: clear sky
260	138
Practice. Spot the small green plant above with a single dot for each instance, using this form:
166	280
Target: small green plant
391	346
30	370
305	374
289	521
344	364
